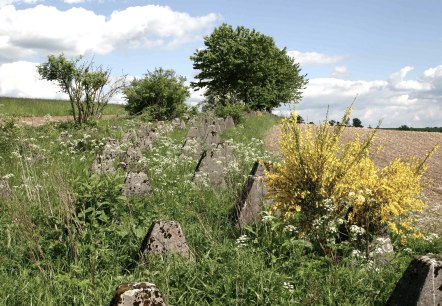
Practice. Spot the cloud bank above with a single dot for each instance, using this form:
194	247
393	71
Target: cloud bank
395	101
45	29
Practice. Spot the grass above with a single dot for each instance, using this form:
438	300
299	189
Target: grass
69	238
25	107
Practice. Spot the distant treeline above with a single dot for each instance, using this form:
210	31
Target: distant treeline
425	129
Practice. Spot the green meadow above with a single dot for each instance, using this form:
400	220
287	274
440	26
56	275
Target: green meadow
26	107
70	238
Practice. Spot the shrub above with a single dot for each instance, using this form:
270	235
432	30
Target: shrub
161	94
333	190
236	111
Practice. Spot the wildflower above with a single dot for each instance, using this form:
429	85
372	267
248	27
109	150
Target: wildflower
242	241
289	228
356	254
267	218
288	286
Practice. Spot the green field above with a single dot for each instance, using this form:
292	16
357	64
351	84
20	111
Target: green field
70	238
24	107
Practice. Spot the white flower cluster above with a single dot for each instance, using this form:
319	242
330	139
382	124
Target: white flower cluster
267	217
242	241
357	230
290	229
288	286
431	237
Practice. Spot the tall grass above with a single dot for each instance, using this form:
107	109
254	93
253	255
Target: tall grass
25	107
53	252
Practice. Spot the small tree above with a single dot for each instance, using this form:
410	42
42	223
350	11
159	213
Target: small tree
89	88
299	119
161	94
357	122
244	66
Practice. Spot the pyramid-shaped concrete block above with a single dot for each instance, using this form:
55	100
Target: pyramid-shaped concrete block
165	237
102	164
136	184
212	166
421	283
142	293
252	198
229	123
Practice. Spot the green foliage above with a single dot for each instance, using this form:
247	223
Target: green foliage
25	107
357	122
243	65
68	238
8	133
89	88
332	190
236	111
161	94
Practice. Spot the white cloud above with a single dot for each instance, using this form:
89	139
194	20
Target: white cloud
45	29
315	57
21	79
340	72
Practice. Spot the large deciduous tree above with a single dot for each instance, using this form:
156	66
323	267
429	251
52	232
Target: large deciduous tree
243	65
161	94
89	87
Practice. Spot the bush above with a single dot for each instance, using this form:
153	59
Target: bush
236	111
333	191
160	95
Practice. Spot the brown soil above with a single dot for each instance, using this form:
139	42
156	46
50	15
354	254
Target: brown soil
399	144
37	121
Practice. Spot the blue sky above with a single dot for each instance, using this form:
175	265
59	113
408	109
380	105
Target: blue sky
389	53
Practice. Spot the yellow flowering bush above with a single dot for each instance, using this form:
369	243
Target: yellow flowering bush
326	186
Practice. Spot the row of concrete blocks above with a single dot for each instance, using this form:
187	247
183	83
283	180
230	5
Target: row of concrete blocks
166	237
136	181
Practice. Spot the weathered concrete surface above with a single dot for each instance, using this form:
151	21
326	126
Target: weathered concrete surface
137	294
212	136
165	237
421	283
104	162
130	137
229	123
212	166
131	159
136	184
252	198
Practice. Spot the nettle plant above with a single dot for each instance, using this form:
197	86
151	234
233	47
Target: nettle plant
333	192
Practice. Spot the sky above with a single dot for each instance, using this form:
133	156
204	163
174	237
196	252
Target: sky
386	54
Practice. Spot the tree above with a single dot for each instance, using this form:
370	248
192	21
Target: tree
89	88
244	66
299	119
160	93
357	122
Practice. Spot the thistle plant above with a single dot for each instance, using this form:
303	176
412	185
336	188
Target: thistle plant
327	187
